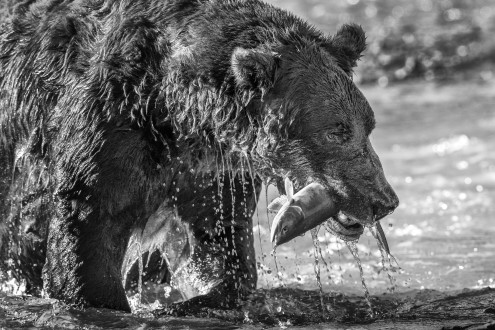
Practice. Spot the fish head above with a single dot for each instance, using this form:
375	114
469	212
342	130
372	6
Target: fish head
287	224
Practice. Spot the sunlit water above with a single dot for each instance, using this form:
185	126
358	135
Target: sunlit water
437	146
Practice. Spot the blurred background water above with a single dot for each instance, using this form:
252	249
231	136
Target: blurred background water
435	40
428	73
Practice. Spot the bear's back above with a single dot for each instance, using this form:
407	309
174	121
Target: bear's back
121	53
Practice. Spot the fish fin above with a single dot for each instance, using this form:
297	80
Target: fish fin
277	204
289	189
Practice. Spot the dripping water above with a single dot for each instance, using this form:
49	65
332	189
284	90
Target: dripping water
221	183
298	270
389	257
140	276
279	274
352	246
231	178
252	176
267	203
339	253
247	214
320	252
316	244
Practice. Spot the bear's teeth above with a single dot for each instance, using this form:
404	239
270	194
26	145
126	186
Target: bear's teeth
342	216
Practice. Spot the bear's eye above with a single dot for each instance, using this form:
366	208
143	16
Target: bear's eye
332	136
339	133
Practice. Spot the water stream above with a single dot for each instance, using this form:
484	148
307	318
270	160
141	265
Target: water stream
386	259
352	246
314	235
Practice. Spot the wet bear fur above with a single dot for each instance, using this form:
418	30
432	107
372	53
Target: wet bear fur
113	113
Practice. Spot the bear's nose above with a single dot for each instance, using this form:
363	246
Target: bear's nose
386	206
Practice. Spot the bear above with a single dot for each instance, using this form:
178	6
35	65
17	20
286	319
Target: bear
136	134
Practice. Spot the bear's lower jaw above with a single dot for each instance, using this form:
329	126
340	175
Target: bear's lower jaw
345	227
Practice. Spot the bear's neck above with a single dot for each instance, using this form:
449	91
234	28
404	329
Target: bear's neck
219	125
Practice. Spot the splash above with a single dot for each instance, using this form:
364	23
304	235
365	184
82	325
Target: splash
10	285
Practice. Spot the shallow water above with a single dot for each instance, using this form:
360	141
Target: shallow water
437	146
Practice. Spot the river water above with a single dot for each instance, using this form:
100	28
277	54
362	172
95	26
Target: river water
437	146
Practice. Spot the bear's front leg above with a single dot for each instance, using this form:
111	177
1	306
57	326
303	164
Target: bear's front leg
100	198
84	256
219	213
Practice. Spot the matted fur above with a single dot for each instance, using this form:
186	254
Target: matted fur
110	110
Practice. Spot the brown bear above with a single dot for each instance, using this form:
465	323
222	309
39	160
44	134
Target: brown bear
146	127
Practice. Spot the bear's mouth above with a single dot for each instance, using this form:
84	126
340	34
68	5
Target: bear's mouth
311	206
345	226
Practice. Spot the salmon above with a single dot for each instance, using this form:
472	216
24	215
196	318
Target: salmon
301	212
309	208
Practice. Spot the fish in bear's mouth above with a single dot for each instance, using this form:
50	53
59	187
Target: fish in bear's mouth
309	207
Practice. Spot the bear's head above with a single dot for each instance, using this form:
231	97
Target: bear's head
316	123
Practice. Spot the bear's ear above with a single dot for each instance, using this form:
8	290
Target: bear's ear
254	68
347	45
